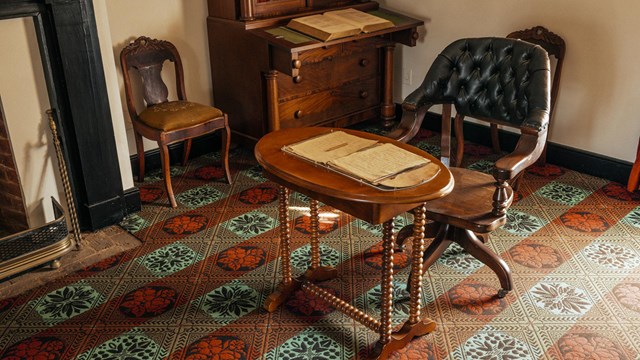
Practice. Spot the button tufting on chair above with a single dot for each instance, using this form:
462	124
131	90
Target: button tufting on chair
478	203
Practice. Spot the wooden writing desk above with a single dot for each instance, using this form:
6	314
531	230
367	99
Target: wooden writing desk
268	77
364	202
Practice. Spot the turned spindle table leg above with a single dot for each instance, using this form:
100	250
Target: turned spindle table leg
415	325
315	271
386	303
288	284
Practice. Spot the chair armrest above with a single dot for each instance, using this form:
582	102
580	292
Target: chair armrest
414	109
527	152
410	123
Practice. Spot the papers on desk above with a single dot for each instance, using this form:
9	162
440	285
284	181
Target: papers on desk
382	165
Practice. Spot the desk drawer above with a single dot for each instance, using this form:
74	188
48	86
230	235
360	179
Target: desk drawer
331	72
329	104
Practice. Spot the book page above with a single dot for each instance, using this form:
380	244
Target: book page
323	27
365	21
413	177
379	162
330	146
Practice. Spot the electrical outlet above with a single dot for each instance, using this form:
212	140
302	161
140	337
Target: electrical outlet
407	76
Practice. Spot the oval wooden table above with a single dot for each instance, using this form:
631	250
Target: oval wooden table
359	200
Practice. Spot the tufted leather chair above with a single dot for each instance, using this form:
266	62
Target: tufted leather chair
497	80
162	120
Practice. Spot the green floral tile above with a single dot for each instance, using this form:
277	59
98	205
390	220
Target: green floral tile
563	193
633	218
398	223
134	223
301	257
255	172
373	299
484	166
132	346
230	302
493	345
430	148
612	256
170	259
156	175
305	199
561	299
520	223
67	302
251	224
308	345
199	196
457	258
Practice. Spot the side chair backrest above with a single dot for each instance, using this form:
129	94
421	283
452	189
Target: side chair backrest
147	56
495	79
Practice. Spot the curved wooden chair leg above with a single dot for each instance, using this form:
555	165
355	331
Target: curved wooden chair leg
406	233
476	248
140	150
166	173
439	244
186	151
226	142
495	139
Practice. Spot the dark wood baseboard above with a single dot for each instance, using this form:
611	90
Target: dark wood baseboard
575	159
571	158
132	200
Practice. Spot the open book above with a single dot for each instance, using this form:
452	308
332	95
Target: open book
382	165
338	24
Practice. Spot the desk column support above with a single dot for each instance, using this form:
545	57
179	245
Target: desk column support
388	108
272	101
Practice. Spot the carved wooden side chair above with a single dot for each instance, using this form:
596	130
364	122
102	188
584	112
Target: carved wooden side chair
162	120
497	80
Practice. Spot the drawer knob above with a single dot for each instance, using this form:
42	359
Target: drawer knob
364	94
297	79
364	62
298	114
296	64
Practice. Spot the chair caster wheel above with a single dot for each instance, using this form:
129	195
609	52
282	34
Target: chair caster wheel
502	293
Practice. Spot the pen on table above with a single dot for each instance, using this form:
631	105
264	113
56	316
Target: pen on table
336	147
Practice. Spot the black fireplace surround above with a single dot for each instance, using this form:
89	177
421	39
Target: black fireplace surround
70	51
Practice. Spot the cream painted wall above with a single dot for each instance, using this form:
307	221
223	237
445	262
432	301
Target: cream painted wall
25	100
181	22
595	110
113	90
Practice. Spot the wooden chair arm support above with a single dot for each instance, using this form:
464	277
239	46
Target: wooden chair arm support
527	152
410	122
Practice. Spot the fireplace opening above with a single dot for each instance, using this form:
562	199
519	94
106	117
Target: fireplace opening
13	215
28	175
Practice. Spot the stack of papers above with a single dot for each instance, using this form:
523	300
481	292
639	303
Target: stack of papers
378	164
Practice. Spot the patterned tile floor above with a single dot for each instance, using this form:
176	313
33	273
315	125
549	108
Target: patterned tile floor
194	288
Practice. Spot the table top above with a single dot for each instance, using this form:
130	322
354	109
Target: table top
341	192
